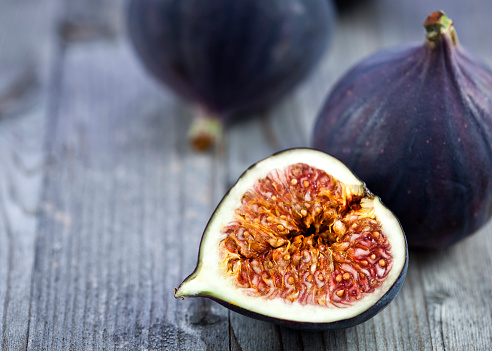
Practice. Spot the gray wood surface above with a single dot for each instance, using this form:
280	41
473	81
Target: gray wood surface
102	203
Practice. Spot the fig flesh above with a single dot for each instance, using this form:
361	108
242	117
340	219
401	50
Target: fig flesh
415	122
300	241
229	57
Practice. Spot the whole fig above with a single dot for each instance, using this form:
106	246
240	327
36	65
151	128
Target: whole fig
415	122
229	57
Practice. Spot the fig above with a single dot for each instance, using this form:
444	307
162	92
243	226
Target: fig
415	122
300	241
229	57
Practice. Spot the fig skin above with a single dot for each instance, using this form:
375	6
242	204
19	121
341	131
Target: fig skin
230	57
213	291
415	122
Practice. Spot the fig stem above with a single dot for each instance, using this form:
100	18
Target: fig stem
205	130
437	25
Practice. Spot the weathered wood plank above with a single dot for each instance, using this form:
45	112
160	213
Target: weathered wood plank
27	57
132	201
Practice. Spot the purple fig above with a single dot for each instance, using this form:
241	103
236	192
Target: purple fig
229	57
415	122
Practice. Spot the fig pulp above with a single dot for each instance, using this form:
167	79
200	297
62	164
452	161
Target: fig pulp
229	57
300	241
415	122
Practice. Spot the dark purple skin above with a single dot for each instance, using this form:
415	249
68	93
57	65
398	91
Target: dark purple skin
230	56
415	123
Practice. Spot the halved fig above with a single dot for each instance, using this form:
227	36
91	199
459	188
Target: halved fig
300	241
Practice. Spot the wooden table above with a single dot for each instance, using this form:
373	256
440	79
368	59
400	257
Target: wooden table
102	203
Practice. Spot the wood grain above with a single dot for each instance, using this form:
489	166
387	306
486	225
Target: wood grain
102	203
27	57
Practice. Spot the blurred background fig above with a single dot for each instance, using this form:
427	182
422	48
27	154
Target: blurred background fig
229	57
415	122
